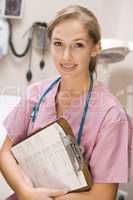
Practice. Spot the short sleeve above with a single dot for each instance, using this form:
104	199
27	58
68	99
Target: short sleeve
110	161
17	122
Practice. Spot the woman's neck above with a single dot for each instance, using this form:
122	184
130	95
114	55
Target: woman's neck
75	86
70	89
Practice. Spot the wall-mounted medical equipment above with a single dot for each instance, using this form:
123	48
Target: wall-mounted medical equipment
14	9
38	41
37	36
4	36
11	8
11	43
112	51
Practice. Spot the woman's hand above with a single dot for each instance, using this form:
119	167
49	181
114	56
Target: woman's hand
31	193
41	194
68	196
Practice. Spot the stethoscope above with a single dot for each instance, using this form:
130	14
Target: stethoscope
35	109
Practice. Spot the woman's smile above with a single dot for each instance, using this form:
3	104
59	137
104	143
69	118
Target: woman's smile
68	67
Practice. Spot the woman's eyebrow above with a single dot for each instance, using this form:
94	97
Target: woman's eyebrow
55	38
80	39
75	40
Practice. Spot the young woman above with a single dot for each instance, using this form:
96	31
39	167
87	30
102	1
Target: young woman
98	120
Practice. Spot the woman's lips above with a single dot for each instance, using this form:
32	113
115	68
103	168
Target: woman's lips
68	67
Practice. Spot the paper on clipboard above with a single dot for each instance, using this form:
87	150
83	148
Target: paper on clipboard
48	159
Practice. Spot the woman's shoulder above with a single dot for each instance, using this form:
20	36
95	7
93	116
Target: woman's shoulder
35	90
41	85
108	104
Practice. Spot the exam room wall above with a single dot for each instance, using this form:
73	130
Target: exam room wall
115	19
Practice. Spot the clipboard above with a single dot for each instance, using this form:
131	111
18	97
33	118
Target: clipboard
52	158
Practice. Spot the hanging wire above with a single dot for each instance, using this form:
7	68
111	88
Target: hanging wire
29	72
29	45
12	45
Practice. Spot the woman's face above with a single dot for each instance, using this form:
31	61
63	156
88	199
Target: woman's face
71	48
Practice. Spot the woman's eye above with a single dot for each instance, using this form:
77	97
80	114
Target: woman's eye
57	44
78	45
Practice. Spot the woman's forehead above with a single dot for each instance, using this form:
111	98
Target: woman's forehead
70	29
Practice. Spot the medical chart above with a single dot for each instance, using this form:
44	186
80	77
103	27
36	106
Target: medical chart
44	159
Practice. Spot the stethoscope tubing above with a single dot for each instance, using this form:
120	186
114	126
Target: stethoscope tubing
35	109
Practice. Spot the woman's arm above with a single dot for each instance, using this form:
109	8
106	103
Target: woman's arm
10	169
19	182
99	191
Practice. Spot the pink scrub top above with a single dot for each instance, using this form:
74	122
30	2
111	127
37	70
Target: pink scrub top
107	133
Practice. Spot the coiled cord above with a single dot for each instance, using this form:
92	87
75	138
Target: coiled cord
12	45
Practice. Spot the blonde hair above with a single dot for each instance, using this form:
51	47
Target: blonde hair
86	17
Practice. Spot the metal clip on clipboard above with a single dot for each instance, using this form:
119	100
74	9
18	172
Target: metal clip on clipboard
74	152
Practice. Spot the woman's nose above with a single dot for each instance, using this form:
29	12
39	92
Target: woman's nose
67	54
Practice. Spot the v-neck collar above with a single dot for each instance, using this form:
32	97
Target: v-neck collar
80	100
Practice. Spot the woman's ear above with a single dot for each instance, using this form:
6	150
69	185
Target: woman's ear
96	49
